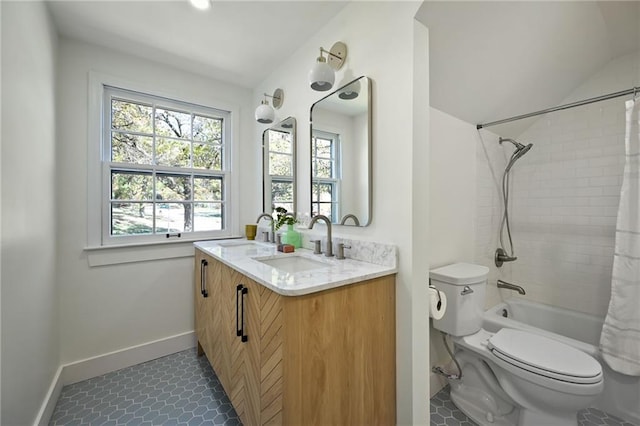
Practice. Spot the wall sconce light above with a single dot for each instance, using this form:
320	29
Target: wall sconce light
265	113
350	91
322	75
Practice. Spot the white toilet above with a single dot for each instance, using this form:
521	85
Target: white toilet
511	377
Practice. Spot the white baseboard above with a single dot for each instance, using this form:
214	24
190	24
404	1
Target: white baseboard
49	404
102	364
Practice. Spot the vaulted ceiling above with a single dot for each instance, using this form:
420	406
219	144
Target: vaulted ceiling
488	59
235	41
492	60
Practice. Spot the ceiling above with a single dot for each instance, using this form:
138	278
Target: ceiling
488	59
492	60
240	42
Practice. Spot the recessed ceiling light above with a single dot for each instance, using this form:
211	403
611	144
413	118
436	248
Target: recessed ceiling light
201	4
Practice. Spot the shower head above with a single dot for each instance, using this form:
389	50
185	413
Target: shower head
522	150
519	152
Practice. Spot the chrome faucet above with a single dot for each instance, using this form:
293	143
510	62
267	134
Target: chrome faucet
329	250
340	254
273	230
504	284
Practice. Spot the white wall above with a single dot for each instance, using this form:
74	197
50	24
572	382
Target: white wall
30	325
380	38
452	171
565	196
113	307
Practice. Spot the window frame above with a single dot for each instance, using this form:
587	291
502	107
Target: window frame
96	182
271	179
335	180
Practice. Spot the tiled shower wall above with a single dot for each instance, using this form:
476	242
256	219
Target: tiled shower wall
564	197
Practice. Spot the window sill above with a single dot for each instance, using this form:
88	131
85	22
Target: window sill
132	253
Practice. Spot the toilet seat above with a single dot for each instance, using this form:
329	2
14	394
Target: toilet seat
545	357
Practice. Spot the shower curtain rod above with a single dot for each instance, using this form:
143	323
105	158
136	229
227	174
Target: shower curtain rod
631	91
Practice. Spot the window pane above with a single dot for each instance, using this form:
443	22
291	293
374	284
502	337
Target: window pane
207	156
134	149
207	217
280	164
325	209
173	217
280	142
131	185
322	192
323	148
207	189
323	169
286	206
282	191
173	123
207	129
131	117
173	187
173	153
131	218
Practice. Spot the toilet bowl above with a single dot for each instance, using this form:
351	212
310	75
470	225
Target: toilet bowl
512	376
546	380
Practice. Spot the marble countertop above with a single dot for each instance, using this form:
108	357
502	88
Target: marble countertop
244	256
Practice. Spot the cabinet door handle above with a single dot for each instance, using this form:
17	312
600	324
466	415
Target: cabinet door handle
203	277
239	288
244	336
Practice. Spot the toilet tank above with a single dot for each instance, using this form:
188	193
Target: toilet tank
464	285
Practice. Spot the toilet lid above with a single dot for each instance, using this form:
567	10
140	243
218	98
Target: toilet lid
544	356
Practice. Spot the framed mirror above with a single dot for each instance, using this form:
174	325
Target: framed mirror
279	166
341	155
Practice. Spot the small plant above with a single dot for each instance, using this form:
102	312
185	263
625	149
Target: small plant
282	218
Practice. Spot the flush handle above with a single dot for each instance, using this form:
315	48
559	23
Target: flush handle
466	290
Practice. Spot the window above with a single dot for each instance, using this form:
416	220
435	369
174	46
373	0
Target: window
325	176
165	169
281	169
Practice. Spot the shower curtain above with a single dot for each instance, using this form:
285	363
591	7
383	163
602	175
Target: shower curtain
620	338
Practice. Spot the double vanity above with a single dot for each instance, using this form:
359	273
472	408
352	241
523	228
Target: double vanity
297	338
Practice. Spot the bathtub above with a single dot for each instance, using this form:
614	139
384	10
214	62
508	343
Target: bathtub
621	396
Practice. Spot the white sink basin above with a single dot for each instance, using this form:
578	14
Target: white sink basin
293	264
237	243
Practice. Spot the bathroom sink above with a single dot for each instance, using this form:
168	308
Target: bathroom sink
237	243
293	264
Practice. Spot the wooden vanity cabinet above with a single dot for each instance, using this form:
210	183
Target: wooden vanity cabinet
202	301
325	358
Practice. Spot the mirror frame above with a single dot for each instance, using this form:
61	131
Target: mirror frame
369	149
265	159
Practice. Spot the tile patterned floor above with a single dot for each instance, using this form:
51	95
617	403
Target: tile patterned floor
445	413
182	389
177	389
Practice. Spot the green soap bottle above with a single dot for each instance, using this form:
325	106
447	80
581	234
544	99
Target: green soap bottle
291	236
